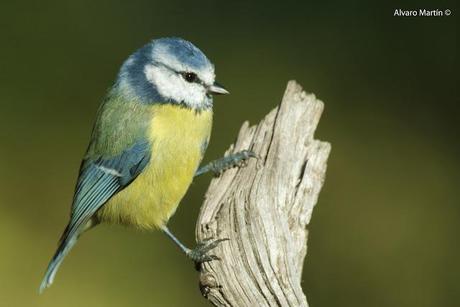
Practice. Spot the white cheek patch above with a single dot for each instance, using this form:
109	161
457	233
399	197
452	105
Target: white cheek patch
172	86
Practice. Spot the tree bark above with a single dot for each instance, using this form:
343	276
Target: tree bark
265	207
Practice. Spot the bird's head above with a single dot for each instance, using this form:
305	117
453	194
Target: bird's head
169	70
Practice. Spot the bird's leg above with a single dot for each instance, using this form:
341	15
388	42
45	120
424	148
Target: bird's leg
200	253
222	164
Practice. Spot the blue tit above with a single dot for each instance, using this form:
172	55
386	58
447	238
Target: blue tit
148	140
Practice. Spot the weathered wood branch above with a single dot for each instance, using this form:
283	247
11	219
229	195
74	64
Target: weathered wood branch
264	208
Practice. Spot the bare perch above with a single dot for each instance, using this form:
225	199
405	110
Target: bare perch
264	208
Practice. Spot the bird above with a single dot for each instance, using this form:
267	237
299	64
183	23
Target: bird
148	140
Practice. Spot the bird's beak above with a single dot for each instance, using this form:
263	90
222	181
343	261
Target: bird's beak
217	89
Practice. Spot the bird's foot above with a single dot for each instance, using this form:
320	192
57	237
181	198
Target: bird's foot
217	167
200	254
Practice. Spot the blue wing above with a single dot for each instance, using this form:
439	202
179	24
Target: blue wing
102	178
98	181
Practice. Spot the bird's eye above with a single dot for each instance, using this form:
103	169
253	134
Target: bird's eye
189	76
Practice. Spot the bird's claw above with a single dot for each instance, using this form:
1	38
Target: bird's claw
200	254
239	159
245	155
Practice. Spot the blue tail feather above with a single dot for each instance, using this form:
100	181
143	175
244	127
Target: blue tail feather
64	248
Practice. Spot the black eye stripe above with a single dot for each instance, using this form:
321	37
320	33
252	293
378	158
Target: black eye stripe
190	77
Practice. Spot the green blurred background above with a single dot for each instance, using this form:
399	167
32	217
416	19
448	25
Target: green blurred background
384	232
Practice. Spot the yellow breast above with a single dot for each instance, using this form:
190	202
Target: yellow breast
177	136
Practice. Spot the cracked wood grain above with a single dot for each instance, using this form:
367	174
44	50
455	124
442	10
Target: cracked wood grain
265	207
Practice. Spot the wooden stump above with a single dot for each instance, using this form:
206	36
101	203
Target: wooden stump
265	207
